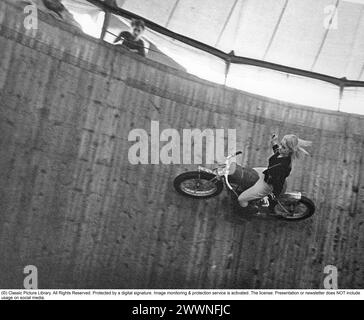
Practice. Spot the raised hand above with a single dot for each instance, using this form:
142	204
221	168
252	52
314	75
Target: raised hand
274	140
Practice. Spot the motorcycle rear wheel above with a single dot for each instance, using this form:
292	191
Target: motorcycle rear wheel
198	185
297	209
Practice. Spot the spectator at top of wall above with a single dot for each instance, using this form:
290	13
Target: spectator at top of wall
132	40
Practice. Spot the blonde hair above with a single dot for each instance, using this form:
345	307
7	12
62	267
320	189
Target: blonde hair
296	145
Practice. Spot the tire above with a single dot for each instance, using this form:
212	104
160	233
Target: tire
304	201
181	181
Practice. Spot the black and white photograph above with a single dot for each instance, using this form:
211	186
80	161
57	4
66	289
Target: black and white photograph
181	150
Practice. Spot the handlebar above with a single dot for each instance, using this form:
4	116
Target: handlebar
234	155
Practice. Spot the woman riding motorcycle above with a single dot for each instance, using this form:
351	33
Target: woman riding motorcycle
272	179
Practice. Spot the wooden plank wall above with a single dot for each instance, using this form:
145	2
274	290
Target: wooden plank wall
72	205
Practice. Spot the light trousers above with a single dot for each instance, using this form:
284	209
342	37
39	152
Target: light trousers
259	190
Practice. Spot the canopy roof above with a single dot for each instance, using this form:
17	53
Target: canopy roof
322	36
305	34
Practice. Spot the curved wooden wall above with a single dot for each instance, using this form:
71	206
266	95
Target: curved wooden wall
72	205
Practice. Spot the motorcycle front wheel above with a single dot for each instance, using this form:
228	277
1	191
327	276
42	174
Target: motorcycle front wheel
196	184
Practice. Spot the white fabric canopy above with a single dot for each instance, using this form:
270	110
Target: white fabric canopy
296	33
324	36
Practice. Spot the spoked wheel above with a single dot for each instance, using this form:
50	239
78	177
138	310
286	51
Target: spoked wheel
293	210
197	184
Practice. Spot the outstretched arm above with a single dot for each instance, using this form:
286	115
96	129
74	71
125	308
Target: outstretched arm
274	142
119	37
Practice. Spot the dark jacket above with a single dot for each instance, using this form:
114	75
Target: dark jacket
278	170
130	43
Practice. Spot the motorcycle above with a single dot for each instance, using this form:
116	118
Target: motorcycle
206	183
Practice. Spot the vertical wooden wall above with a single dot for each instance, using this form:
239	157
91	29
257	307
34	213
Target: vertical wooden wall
72	205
